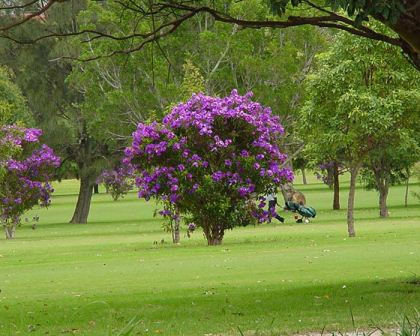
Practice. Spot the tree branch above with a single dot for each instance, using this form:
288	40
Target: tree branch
19	6
30	16
170	15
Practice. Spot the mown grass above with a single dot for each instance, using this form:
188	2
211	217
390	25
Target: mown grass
93	279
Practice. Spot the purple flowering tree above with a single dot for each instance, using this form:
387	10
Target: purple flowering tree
210	160
118	182
26	172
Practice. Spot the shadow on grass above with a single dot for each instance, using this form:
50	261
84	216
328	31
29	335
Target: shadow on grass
205	308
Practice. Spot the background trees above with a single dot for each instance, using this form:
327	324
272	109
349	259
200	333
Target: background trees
55	104
361	109
13	106
89	109
401	16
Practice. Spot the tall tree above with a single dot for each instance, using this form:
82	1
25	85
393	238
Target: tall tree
388	166
54	104
13	107
358	99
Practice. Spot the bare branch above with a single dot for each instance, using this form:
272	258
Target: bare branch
19	6
30	16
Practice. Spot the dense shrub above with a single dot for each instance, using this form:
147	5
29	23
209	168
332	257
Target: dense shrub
25	174
210	159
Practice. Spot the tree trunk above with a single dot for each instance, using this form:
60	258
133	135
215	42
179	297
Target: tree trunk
330	177
383	188
407	28
406	188
350	207
214	234
176	235
96	188
383	195
304	176
336	201
81	212
10	231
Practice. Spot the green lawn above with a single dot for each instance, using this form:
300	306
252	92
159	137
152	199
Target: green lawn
93	279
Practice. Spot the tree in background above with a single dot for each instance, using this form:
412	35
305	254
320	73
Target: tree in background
55	103
359	103
193	81
416	174
119	181
13	107
388	166
121	91
329	172
210	159
301	163
125	90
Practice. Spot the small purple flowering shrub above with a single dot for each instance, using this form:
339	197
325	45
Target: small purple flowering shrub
326	172
212	158
118	182
25	175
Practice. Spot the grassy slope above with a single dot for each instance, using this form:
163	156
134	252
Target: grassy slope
92	279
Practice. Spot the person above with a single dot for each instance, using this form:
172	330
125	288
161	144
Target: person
272	202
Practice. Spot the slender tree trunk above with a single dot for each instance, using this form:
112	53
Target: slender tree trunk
383	195
406	188
383	188
330	177
96	188
176	235
10	231
81	212
336	201
350	207
304	176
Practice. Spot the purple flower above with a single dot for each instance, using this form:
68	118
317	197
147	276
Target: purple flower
165	212
173	198
32	134
244	153
217	176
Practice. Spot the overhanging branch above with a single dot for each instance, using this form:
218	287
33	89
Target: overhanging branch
168	16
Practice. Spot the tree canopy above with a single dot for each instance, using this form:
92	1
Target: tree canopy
362	104
154	20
